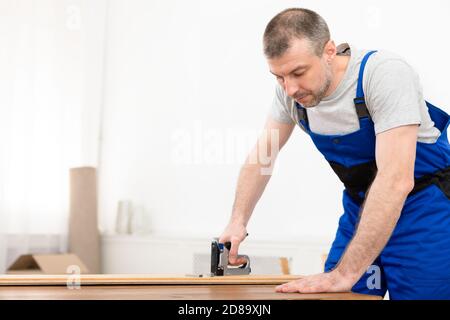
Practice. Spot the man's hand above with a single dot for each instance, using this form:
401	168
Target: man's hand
235	233
323	282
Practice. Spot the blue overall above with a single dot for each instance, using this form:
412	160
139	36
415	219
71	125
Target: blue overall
415	263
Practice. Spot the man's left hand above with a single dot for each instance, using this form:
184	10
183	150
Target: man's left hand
323	282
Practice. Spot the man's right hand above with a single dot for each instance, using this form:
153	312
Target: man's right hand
234	233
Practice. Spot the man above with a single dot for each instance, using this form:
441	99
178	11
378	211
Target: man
366	114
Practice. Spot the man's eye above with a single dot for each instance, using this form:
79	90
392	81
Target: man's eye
298	74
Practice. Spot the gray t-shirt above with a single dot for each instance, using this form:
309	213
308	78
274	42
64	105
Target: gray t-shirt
393	95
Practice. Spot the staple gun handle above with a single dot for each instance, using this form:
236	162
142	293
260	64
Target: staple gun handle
246	264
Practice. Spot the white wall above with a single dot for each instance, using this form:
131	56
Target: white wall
51	62
196	69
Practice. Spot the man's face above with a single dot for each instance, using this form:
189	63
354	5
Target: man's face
304	76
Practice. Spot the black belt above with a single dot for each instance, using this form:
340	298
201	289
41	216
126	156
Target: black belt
357	179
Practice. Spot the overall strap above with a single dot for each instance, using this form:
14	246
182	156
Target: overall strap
360	103
302	115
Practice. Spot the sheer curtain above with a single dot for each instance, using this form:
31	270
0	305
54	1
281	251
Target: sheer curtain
51	66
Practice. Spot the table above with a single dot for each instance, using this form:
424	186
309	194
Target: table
154	287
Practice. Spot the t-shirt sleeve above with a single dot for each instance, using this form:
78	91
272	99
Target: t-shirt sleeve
393	95
279	110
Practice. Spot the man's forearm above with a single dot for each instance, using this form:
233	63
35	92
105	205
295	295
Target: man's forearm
378	219
257	170
251	185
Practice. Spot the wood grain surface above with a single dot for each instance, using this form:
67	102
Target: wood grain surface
168	292
111	279
156	287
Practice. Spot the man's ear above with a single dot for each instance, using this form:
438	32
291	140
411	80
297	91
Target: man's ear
329	51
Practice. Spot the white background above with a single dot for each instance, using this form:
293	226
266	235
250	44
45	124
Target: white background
196	68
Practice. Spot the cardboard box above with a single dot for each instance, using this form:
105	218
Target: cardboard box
47	264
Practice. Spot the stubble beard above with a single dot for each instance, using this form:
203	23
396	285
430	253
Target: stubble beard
320	94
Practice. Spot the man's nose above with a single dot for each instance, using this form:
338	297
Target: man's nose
290	87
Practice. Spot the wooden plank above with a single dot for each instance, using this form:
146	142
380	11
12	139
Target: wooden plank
142	279
169	292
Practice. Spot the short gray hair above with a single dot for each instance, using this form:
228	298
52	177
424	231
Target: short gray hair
293	23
